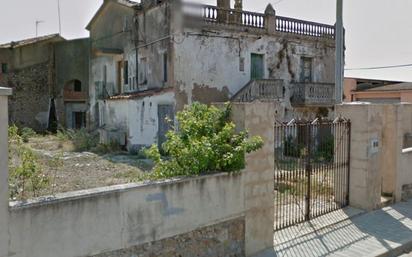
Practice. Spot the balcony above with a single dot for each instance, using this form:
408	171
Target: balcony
253	21
74	96
262	89
313	94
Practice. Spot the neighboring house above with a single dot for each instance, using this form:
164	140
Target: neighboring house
149	60
49	78
377	91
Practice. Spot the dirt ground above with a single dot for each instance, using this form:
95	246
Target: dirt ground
69	170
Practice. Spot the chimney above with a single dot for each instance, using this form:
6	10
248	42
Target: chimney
238	5
224	4
223	12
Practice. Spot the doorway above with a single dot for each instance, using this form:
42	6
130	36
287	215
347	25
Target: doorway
257	67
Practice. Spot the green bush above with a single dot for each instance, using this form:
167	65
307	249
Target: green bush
205	142
27	133
26	174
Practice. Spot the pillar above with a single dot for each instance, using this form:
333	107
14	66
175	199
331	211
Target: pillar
270	19
258	119
223	10
366	153
4	174
238	11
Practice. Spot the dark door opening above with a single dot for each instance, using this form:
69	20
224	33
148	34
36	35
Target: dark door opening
79	120
52	127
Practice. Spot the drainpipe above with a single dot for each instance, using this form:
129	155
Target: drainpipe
339	71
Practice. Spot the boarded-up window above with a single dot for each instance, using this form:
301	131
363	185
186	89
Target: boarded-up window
306	70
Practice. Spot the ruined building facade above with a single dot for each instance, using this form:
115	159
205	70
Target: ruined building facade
49	77
149	60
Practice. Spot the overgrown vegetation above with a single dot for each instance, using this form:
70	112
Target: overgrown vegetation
323	152
205	142
81	139
25	169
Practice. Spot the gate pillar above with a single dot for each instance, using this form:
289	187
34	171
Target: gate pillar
365	181
258	119
4	174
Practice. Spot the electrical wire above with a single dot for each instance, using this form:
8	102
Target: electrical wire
380	67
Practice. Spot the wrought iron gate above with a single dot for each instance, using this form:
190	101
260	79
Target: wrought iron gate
311	169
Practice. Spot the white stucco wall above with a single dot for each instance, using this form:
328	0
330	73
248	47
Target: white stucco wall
214	60
138	118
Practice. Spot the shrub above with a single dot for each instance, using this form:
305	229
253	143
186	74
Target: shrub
25	170
206	142
112	147
27	133
82	140
326	149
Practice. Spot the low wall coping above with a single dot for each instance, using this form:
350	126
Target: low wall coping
407	150
101	191
5	91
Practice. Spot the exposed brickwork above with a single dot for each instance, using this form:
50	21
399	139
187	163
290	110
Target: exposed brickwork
221	240
29	104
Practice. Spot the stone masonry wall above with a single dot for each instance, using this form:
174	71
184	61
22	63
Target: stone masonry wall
29	104
226	239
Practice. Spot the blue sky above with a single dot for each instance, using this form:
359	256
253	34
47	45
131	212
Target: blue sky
378	32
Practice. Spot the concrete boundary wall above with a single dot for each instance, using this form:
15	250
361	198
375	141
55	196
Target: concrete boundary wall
215	215
379	163
103	220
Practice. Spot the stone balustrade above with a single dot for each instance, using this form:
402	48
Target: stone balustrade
313	94
261	21
262	89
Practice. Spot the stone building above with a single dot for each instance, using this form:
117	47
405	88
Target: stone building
149	60
49	77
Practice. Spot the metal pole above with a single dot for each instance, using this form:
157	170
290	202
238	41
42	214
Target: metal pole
58	12
339	71
37	27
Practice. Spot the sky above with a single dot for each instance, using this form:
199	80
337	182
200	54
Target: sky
378	32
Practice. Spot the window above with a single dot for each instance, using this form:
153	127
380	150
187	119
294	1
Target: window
165	67
4	68
126	72
143	71
306	70
77	86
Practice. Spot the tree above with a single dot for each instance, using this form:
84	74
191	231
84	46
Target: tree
205	142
